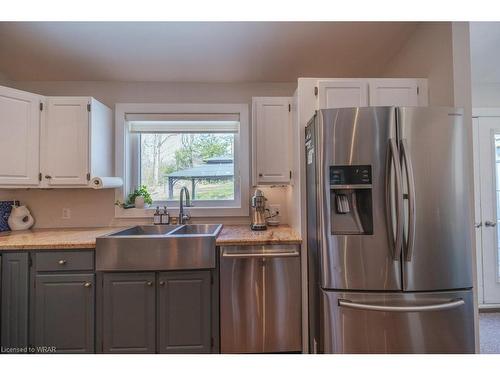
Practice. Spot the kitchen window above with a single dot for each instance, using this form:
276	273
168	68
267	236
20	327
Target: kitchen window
201	147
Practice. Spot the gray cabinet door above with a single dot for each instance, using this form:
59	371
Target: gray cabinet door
184	312
128	316
14	307
64	312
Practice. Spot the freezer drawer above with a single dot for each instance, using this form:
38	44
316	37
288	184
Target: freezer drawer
437	322
260	299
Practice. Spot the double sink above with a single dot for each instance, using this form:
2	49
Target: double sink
158	248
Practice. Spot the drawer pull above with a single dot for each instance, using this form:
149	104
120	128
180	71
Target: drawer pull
87	285
62	262
162	283
149	283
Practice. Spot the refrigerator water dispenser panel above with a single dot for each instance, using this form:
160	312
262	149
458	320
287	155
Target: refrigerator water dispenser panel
351	199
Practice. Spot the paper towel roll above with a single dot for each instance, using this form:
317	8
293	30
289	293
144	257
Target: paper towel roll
106	182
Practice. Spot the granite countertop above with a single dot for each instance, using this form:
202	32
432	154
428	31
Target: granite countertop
84	238
243	235
56	238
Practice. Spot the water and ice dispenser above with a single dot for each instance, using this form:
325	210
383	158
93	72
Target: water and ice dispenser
351	199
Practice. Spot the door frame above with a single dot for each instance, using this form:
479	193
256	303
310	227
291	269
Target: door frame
476	113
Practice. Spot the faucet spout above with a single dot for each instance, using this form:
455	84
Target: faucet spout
184	195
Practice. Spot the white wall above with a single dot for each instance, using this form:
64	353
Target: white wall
428	53
95	208
485	94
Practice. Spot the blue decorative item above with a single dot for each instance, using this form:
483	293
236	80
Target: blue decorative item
5	209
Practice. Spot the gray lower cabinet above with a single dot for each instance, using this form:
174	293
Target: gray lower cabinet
149	312
184	312
14	301
63	313
128	312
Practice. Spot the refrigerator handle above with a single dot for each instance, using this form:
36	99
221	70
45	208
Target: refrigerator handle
397	238
411	201
422	308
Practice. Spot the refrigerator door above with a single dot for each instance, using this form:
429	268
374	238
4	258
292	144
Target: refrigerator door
434	156
438	322
360	253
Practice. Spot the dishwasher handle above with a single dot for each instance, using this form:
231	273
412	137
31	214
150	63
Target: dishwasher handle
281	254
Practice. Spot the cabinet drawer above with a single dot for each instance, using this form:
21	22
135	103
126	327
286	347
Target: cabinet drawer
64	261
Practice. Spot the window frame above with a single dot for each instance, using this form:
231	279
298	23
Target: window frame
127	154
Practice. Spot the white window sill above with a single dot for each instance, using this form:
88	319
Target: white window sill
122	213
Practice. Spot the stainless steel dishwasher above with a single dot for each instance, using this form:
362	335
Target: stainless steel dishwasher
260	299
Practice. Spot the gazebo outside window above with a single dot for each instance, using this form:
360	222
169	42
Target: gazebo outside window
216	169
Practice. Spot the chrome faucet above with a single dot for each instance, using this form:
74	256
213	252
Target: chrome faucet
184	217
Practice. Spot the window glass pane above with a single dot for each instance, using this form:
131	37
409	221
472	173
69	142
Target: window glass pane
204	163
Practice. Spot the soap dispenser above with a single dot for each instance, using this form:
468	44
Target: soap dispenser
157	216
165	217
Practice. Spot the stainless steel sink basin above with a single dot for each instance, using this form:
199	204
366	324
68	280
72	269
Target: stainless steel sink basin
146	230
158	247
197	229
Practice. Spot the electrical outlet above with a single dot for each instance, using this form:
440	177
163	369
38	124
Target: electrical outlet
66	213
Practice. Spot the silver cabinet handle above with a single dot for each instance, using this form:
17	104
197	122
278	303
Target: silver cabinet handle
488	223
62	262
412	218
87	285
226	254
149	283
162	283
397	239
478	225
437	307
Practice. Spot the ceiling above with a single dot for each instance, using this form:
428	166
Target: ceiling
197	51
485	52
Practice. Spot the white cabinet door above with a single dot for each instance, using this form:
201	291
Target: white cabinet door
342	93
394	92
66	142
20	137
271	140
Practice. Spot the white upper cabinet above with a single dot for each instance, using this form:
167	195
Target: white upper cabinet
397	92
77	143
272	133
66	142
342	93
20	137
53	141
372	92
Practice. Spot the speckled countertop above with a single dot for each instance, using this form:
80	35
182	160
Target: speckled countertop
84	238
243	235
57	238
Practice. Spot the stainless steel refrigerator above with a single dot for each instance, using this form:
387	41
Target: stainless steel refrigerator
389	231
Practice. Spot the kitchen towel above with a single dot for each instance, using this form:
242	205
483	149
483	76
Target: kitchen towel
5	209
106	182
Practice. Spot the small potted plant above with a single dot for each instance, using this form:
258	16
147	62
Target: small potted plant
140	197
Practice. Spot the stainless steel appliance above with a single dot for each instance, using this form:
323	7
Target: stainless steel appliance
260	299
258	204
389	238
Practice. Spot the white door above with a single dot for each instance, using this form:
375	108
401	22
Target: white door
394	92
272	140
489	181
342	94
20	137
66	142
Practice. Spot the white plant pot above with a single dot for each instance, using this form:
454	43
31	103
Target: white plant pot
139	202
